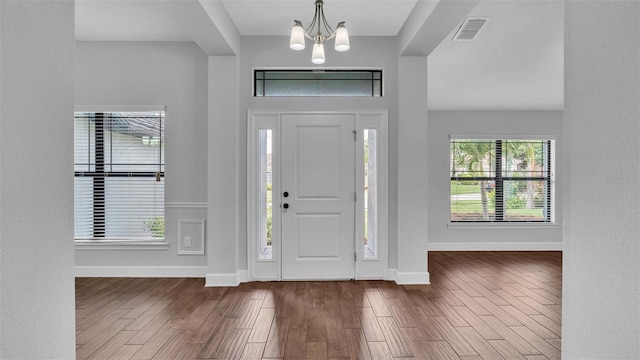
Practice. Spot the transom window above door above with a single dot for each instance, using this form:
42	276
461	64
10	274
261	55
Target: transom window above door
327	82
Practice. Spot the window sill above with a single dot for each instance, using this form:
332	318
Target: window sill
159	244
501	226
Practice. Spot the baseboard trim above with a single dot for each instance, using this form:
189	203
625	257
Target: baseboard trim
390	275
412	278
495	246
141	271
215	280
243	276
264	278
372	278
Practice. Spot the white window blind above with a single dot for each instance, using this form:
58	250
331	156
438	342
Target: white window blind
508	180
119	175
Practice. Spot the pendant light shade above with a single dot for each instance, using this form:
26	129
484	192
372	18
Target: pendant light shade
342	38
317	57
321	31
297	36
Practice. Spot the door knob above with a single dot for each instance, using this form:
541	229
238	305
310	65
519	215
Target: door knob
286	194
285	205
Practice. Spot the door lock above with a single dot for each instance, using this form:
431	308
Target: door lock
285	194
285	205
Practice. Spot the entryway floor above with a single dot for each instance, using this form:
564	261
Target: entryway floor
480	305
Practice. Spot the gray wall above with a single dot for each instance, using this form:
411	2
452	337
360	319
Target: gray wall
225	185
412	170
36	191
601	274
173	74
601	317
176	75
442	124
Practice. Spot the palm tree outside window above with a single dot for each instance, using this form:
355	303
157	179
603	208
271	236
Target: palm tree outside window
501	180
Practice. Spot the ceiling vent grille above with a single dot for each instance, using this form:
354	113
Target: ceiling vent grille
470	28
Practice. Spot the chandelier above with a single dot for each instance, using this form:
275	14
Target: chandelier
298	34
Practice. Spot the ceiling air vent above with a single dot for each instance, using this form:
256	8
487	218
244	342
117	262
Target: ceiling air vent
470	28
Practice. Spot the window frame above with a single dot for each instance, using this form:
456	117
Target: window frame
376	75
101	241
500	204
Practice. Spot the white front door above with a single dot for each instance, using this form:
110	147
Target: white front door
317	196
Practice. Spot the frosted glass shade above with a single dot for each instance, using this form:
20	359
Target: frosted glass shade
342	38
317	57
297	37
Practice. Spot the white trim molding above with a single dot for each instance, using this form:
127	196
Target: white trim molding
217	280
181	247
390	275
119	108
121	244
495	246
259	120
504	136
501	225
141	271
372	277
186	205
265	278
412	278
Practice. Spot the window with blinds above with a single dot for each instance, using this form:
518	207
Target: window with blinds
501	180
119	175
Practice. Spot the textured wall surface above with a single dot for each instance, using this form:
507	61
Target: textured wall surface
170	74
412	168
224	184
36	192
601	292
442	124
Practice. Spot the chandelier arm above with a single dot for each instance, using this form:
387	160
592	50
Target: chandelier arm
316	33
320	17
328	28
320	33
309	29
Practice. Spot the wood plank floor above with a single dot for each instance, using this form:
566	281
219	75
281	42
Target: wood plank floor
481	305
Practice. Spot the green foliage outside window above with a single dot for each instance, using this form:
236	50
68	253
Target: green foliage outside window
155	226
519	167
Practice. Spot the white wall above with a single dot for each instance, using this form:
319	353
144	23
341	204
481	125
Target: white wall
111	73
36	191
173	74
442	124
601	274
412	267
224	183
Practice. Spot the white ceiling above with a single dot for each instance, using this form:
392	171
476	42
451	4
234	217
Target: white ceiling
144	20
362	17
515	63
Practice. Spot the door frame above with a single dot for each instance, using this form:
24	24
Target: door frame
368	268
